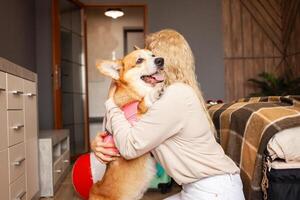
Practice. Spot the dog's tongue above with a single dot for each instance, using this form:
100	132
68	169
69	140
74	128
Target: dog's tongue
158	77
150	79
153	79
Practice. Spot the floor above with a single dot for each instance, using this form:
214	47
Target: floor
66	192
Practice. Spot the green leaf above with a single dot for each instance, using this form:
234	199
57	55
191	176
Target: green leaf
270	84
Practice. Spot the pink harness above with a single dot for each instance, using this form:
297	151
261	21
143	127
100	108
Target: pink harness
130	111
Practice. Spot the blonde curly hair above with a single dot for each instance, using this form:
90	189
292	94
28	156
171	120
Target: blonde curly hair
179	61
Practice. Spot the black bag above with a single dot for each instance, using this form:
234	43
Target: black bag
281	180
284	184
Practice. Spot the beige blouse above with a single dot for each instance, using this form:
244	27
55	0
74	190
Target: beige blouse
175	129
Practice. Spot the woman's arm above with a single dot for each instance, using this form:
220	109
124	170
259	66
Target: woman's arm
164	119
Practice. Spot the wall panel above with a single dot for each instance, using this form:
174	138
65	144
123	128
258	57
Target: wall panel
17	35
293	43
258	36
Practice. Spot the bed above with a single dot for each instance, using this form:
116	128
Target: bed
254	130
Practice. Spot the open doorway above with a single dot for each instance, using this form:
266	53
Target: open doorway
81	35
108	39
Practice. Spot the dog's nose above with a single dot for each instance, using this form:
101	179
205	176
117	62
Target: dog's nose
159	62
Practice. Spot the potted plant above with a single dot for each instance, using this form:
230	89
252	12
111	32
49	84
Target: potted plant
271	85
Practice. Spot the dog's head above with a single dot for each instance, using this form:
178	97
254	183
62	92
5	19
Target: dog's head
141	70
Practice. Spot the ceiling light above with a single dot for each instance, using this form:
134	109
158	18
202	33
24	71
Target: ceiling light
114	13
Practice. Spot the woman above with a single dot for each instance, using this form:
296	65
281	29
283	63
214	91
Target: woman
176	129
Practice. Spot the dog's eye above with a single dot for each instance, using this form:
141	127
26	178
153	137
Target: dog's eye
140	60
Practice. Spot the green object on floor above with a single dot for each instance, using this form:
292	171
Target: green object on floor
160	178
160	170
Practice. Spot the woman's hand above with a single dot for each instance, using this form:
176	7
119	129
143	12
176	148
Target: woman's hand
104	151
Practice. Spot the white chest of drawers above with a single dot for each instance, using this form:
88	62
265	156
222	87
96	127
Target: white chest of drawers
18	136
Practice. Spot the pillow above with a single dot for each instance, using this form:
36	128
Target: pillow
285	145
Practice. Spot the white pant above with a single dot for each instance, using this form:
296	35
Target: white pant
221	187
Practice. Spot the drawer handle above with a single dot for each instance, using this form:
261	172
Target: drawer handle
16	92
17	127
18	162
20	195
30	95
66	161
2	89
58	171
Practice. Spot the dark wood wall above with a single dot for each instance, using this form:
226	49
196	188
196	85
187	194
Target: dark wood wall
254	33
292	39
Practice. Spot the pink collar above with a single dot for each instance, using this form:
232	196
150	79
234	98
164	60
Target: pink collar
130	111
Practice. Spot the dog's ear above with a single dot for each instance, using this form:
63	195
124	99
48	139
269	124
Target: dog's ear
110	68
136	47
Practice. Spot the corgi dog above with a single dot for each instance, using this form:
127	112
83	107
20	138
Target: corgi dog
138	77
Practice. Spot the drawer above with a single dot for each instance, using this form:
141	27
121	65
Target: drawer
2	81
4	183
29	88
66	160
57	170
30	117
15	127
16	156
14	92
3	120
17	190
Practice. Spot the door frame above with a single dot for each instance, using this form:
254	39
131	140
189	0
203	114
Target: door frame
56	60
56	64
